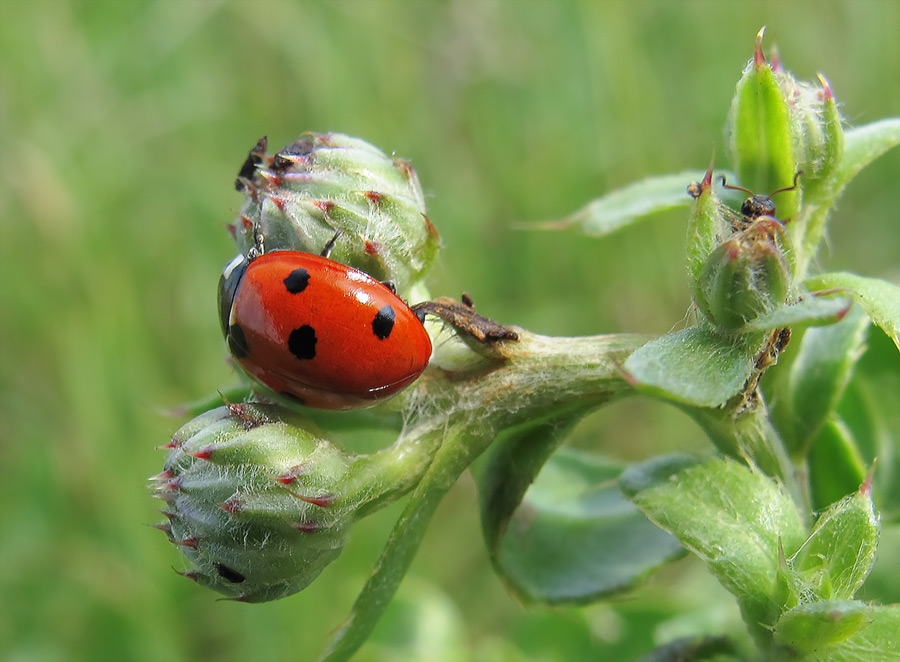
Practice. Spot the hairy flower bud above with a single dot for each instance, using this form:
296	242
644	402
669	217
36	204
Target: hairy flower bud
745	276
324	184
254	499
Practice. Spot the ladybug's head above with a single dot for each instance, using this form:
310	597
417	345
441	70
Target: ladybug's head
228	286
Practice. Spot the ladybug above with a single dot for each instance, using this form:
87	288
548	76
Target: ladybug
319	332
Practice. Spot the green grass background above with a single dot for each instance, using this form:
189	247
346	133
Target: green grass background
122	126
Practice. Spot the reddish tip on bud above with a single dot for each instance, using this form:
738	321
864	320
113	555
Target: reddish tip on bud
826	94
233	505
190	574
374	197
193	543
866	488
165	528
776	61
292	474
204	453
321	501
325	205
759	58
306	527
696	189
162	477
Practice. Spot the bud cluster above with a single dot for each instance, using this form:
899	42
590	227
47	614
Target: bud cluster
743	265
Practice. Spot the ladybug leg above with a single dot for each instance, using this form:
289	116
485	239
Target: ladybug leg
259	247
464	317
390	285
330	245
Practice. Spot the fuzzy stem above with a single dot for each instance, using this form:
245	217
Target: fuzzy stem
530	379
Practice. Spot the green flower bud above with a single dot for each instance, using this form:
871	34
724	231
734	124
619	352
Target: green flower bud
254	499
840	552
322	184
745	276
761	131
707	225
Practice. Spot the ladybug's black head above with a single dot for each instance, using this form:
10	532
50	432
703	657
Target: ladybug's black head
228	286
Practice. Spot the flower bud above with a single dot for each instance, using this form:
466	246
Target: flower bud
254	499
745	276
840	552
322	184
761	132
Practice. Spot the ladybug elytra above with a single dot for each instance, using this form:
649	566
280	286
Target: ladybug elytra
320	332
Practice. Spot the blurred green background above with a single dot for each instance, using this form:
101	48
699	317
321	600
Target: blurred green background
122	126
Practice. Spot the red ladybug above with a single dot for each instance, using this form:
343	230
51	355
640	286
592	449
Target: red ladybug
320	332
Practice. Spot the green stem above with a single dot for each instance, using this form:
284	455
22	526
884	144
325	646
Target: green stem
529	380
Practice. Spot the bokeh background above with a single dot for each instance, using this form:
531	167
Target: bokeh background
122	126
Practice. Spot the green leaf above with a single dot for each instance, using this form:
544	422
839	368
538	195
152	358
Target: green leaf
840	552
879	298
733	517
818	376
695	366
878	641
836	466
812	311
864	144
813	626
626	206
573	538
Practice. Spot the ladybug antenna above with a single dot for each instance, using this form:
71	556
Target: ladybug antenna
788	188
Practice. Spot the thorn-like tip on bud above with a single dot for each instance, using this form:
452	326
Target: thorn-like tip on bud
165	528
193	543
190	574
292	474
374	197
696	189
204	453
306	527
162	477
759	58
866	488
827	94
233	505
776	61
322	501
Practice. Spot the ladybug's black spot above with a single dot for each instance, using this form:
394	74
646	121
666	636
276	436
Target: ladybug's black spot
302	342
229	574
383	323
297	281
237	342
